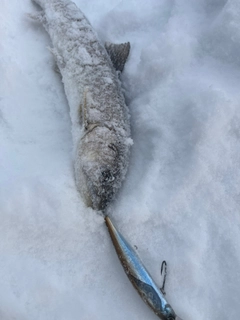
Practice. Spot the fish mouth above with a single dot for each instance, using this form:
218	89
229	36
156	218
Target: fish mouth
99	195
102	198
102	191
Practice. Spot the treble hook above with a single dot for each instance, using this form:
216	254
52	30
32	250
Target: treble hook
164	265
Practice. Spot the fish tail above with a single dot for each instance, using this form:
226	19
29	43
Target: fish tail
41	3
44	3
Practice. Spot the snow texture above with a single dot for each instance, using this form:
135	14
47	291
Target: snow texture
180	199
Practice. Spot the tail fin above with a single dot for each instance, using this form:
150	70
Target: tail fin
41	3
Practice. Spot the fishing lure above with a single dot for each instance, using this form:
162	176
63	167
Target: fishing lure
140	277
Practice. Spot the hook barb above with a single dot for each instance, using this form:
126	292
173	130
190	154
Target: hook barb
163	268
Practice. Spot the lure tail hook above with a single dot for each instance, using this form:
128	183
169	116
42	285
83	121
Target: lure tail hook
164	266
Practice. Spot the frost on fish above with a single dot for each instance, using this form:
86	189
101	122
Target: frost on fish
100	118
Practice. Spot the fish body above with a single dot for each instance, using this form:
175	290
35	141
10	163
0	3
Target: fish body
139	276
99	115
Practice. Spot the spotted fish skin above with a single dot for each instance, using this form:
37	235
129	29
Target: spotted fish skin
139	276
100	118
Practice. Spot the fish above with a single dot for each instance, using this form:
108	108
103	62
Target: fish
100	118
139	276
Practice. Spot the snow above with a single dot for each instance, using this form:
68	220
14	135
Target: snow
180	199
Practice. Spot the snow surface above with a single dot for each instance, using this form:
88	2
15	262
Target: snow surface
180	201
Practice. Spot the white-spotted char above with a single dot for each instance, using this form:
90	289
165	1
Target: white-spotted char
100	118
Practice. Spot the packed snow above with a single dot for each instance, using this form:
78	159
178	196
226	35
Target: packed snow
180	199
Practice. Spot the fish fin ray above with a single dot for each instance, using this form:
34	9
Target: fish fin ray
83	111
58	58
39	17
118	54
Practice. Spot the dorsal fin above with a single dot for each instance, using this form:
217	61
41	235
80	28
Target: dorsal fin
118	54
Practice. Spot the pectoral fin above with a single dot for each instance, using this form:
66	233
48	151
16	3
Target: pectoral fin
83	113
39	17
58	58
118	54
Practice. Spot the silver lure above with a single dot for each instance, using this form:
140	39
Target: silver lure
139	276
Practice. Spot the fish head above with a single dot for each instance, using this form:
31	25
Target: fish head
99	166
99	185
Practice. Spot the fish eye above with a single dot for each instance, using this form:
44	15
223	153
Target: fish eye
107	176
